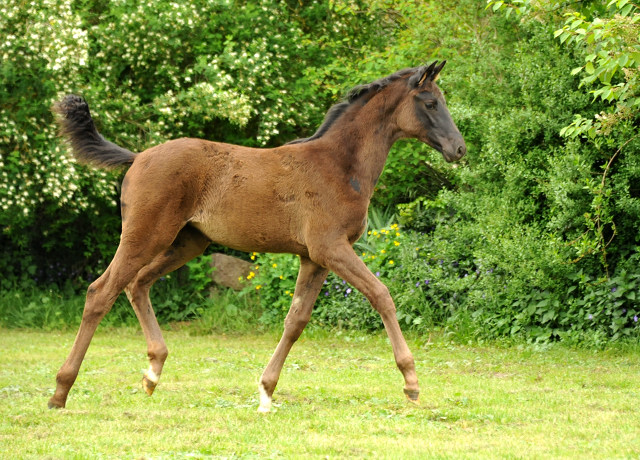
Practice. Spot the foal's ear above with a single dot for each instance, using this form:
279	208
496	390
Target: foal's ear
430	73
437	70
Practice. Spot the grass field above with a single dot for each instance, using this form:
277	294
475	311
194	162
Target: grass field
338	397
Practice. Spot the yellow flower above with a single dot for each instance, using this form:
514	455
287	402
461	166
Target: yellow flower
258	287
397	233
397	243
275	265
281	277
382	251
391	262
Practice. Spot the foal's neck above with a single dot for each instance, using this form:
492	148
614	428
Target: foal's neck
364	136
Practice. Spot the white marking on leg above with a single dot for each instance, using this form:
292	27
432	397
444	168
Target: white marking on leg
152	376
265	400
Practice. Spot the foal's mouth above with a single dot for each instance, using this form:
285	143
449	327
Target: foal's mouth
451	151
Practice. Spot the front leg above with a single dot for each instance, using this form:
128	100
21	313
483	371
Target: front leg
308	286
340	258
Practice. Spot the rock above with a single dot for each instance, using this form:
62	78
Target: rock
228	270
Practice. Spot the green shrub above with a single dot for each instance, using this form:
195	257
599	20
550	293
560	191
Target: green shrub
228	311
440	279
273	280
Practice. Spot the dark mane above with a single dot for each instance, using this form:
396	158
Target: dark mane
353	95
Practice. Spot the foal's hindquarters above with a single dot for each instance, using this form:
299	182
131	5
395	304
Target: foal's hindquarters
155	240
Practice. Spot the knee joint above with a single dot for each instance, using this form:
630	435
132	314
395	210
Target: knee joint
295	325
95	311
296	320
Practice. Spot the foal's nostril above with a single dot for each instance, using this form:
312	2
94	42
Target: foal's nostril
461	150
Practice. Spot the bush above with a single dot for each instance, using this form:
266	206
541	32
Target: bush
534	235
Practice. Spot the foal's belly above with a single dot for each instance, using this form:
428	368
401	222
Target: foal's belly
253	234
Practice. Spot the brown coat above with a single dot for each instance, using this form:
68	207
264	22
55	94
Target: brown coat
309	197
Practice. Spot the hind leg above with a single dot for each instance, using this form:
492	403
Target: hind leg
100	298
137	248
308	286
188	244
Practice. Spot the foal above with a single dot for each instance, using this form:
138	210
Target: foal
309	197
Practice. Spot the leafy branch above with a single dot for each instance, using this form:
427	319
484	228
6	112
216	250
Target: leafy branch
611	48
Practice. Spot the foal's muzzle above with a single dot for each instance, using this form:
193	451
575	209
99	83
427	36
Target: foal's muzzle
455	151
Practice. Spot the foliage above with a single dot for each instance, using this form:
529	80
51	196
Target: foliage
44	197
29	306
538	207
608	40
613	44
227	311
33	308
452	284
184	296
534	234
274	280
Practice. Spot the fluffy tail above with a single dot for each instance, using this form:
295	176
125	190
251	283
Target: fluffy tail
86	142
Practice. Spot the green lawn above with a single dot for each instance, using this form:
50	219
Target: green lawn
338	397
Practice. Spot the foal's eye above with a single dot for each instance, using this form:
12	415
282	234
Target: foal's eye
430	105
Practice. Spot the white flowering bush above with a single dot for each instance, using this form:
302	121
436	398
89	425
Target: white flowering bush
252	73
44	53
245	72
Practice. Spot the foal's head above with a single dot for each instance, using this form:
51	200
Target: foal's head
423	114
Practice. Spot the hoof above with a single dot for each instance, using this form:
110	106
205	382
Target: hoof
264	409
148	385
55	405
412	396
149	381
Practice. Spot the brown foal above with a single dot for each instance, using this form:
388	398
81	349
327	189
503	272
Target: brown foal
308	197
